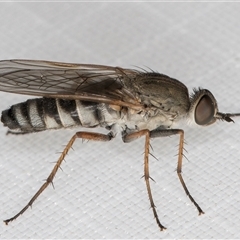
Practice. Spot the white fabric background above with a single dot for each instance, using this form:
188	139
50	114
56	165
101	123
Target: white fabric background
100	193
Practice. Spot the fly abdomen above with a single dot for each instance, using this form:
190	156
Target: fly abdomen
24	117
49	113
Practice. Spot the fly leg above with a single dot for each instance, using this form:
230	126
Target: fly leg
83	135
165	133
130	137
154	134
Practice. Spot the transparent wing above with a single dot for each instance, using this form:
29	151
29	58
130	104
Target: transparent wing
68	81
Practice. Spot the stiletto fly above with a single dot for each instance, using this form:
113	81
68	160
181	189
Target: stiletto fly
135	103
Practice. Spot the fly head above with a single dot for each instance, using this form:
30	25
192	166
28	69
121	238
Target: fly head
204	109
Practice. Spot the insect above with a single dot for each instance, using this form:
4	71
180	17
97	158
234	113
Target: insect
134	103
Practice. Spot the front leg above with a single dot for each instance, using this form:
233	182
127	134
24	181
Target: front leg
165	133
154	134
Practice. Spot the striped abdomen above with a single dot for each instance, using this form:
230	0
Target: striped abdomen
50	113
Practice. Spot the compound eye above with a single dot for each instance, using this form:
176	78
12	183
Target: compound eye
204	111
